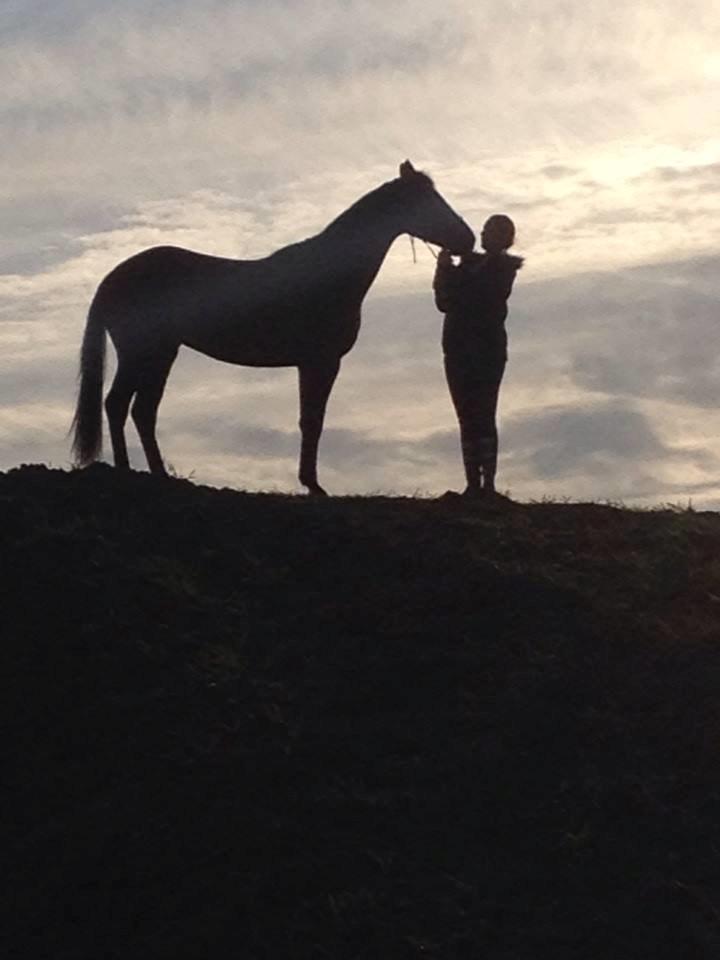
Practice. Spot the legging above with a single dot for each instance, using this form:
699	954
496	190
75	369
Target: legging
474	388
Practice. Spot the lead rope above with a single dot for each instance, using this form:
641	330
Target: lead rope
414	254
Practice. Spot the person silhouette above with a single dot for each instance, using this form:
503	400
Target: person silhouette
473	296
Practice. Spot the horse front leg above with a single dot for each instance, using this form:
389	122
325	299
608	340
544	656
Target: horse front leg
316	380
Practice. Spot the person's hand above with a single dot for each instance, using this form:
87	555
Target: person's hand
444	258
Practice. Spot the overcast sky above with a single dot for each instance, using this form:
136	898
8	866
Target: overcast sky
235	128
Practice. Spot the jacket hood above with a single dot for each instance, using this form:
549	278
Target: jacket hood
517	262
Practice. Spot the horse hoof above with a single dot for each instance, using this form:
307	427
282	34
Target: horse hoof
315	490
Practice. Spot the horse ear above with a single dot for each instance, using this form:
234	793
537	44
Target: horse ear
407	170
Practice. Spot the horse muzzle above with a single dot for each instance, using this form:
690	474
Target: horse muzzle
464	243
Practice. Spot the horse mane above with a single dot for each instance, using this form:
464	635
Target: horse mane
383	196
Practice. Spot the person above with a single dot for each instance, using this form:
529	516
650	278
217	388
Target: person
473	296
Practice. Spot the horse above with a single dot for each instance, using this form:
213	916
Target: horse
299	307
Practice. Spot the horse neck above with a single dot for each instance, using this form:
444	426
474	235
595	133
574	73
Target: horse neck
361	236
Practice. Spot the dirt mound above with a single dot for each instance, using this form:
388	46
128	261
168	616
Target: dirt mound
271	727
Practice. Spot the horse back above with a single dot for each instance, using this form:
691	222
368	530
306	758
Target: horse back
275	311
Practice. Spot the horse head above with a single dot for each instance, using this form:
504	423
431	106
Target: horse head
427	215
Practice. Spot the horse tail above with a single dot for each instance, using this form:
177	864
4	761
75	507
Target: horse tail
87	422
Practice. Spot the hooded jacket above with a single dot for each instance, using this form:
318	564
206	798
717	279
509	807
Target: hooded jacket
473	296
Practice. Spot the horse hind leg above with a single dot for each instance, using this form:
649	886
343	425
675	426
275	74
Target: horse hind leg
151	387
117	404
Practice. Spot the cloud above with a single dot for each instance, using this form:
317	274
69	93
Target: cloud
562	439
607	450
651	334
558	171
695	178
314	103
235	128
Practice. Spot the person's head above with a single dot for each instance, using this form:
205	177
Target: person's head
498	233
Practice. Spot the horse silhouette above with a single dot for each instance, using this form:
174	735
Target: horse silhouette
298	307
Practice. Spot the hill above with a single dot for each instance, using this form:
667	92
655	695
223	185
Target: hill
267	726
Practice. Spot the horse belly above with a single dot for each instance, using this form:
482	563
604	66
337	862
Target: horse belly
252	342
273	341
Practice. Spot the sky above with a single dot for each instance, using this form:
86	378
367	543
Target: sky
235	128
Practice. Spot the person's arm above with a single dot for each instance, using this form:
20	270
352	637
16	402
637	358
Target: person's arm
444	282
503	284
